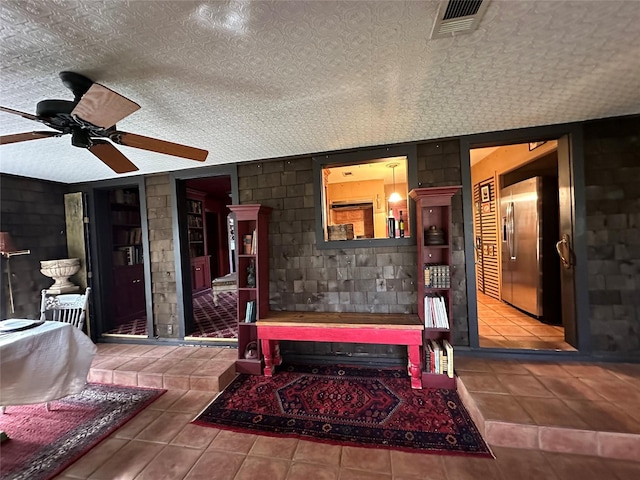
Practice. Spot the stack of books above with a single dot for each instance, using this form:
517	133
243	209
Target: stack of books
437	276
439	357
435	312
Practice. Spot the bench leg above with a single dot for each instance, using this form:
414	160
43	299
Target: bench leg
414	366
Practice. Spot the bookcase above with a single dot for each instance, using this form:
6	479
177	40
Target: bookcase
252	261
196	231
126	246
433	234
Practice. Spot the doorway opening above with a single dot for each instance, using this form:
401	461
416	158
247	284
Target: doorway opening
211	244
517	210
125	280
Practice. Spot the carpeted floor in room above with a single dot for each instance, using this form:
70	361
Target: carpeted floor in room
211	321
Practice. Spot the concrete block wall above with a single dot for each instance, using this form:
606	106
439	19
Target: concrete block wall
163	268
612	178
32	211
368	280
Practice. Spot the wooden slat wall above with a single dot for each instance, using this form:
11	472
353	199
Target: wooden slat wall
488	227
477	232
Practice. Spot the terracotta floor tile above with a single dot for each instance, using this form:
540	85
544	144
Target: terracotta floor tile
164	428
551	412
351	474
508	366
233	442
584	370
167	399
604	416
525	385
274	447
192	401
130	461
467	468
260	467
138	423
370	459
159	351
523	464
195	436
484	382
472	364
311	471
545	369
486	330
582	467
206	352
569	388
416	465
224	464
502	408
623	470
315	452
511	330
90	462
171	463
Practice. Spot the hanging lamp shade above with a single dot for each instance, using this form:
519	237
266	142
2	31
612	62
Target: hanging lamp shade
6	243
395	196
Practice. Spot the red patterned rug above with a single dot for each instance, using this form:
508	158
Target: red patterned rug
43	443
363	407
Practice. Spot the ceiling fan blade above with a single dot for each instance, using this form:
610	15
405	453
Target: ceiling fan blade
111	156
22	114
103	107
159	146
23	137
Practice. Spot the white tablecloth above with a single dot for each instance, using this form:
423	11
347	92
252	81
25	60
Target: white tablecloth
44	363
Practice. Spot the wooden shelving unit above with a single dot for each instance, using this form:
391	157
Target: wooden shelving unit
433	214
197	238
251	220
126	245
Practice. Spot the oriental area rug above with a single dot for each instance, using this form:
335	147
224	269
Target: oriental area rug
43	443
345	405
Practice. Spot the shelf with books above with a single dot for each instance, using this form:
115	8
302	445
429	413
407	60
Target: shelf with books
252	259
433	225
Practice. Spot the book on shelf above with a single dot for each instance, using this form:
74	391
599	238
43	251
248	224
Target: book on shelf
435	312
250	315
254	243
437	276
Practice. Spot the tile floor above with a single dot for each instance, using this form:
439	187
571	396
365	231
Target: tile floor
161	443
502	326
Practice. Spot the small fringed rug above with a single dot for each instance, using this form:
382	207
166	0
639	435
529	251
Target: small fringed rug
364	407
43	443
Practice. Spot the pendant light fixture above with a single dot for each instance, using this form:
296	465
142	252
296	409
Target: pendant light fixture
395	196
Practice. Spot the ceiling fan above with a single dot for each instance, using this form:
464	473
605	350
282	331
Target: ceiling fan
91	119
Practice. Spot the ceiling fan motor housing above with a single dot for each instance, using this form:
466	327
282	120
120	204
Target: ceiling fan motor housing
51	108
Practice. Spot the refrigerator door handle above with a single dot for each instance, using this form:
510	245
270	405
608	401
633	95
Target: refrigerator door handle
564	250
511	230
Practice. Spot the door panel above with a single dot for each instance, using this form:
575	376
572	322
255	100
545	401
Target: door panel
567	216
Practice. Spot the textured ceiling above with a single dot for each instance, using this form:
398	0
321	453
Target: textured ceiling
250	80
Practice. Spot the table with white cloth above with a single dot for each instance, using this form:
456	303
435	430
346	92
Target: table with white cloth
43	363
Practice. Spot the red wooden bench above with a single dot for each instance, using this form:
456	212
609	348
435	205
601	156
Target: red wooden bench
386	329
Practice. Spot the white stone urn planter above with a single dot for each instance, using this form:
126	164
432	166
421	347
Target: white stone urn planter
60	271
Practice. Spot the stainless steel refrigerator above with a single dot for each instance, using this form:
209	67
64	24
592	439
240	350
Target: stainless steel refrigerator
530	267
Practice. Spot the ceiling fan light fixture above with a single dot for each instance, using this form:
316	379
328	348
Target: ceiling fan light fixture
80	138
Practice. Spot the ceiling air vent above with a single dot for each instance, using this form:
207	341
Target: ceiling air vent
456	17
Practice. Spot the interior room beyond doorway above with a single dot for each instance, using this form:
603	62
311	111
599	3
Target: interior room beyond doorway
516	227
